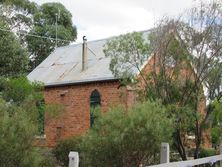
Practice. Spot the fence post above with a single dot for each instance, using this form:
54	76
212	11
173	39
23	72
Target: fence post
165	153
73	159
221	153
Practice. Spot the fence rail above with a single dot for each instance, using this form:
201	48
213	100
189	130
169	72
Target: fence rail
189	163
164	159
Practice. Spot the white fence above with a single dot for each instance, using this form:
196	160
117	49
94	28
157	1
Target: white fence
164	159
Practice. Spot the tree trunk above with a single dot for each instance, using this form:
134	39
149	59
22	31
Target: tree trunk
198	132
197	143
179	145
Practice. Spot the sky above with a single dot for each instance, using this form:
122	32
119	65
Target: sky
97	19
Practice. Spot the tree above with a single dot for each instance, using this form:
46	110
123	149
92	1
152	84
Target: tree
19	124
19	89
17	12
36	26
14	59
132	51
177	45
19	15
45	25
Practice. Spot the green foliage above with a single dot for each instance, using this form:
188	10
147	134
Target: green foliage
122	138
45	25
216	119
185	117
20	5
17	131
185	57
19	89
41	116
95	112
20	122
18	13
214	80
216	136
19	16
128	53
13	58
207	152
47	158
24	16
62	149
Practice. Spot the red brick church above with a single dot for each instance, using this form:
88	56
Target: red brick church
78	78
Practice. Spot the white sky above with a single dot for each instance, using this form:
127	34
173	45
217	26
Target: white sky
104	18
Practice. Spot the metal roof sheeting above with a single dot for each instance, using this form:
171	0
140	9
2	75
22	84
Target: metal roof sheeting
64	65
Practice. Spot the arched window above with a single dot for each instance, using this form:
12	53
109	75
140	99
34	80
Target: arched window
41	116
95	101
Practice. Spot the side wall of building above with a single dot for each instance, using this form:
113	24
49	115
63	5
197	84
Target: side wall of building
75	101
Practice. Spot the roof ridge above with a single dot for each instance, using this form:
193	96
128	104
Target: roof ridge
106	38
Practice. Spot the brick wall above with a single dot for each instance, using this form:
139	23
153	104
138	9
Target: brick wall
75	118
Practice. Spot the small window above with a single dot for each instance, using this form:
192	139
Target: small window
95	101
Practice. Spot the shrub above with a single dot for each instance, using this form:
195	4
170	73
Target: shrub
121	138
48	160
130	138
19	124
62	149
17	131
19	89
207	152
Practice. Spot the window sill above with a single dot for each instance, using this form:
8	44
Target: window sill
40	136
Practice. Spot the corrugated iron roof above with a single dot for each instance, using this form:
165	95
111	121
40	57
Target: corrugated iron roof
64	65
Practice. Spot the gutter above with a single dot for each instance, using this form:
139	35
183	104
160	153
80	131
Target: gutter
78	82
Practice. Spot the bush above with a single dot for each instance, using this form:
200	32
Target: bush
17	131
130	138
207	152
19	89
19	124
48	160
21	118
121	138
62	149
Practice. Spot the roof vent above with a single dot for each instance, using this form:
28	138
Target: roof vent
84	54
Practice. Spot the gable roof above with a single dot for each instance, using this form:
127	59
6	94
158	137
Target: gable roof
64	65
